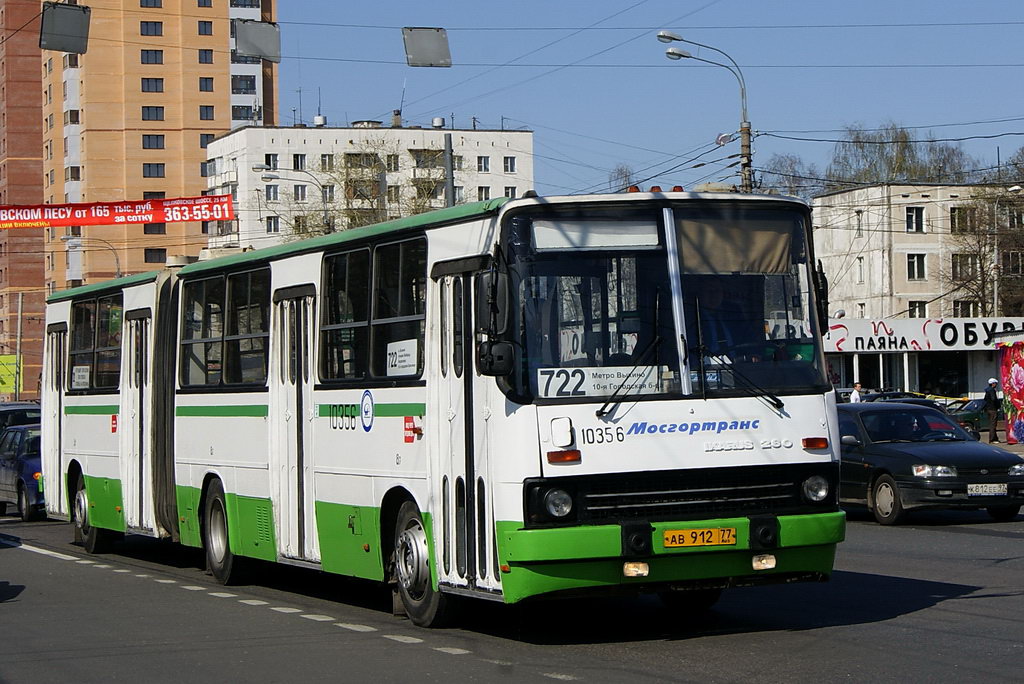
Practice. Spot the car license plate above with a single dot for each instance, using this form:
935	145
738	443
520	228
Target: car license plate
998	489
700	536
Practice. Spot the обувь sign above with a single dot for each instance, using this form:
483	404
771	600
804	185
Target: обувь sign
917	334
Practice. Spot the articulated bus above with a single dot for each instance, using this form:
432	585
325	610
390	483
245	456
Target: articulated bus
512	399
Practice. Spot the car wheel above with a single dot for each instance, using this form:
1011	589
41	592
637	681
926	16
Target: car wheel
1003	513
424	605
25	510
94	539
885	501
690	603
220	561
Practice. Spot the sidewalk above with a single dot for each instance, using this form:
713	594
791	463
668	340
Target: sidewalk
1015	448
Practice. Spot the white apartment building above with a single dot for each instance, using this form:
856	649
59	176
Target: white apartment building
308	180
894	252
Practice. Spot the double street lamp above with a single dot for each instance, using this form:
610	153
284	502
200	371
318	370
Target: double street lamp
675	53
76	241
266	177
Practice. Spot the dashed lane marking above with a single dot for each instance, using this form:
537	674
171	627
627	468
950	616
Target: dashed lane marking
402	639
193	587
451	651
559	676
103	566
252	602
355	628
319	618
222	594
121	570
283	609
166	581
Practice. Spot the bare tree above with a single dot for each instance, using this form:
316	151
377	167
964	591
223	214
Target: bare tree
620	177
788	174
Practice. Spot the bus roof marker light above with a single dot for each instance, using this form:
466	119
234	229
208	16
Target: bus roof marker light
763	561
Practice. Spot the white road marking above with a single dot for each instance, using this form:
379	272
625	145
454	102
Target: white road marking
142	575
319	618
193	587
559	676
402	639
36	549
282	609
355	628
122	570
451	651
222	594
85	561
252	602
166	581
103	566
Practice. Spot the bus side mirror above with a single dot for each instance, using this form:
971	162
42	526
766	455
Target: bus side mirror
492	303
494	358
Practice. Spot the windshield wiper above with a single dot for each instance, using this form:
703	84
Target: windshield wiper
615	399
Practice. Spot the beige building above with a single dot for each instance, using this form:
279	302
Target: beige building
131	119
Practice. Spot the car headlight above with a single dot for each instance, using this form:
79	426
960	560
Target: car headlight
934	471
1016	470
815	488
557	503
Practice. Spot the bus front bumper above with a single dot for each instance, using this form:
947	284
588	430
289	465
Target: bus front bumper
592	559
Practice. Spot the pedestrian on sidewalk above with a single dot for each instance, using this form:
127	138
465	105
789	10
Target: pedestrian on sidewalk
855	394
992	409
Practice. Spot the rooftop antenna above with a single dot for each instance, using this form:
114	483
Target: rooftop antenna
318	112
299	91
401	103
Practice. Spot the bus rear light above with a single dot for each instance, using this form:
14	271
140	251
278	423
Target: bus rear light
565	456
815	443
635	569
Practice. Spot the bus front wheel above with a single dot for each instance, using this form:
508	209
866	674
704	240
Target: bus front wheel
220	561
424	605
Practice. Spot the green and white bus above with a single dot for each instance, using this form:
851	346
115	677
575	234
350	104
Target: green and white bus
511	399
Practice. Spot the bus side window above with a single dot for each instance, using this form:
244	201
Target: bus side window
345	323
399	282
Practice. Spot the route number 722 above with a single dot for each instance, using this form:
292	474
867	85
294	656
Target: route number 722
563	379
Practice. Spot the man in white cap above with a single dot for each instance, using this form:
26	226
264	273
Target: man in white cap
992	409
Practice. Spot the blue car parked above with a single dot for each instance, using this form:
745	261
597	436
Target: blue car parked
20	471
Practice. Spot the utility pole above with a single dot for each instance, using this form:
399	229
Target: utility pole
17	350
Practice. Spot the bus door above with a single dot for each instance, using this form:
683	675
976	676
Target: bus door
134	419
291	462
53	417
467	531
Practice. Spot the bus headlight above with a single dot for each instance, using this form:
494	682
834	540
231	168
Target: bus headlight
815	488
557	503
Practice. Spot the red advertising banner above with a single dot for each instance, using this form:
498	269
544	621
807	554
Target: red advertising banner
206	208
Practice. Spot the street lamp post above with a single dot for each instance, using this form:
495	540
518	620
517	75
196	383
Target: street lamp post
996	266
746	172
326	217
75	241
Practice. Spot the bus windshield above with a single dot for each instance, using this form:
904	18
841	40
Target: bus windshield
594	313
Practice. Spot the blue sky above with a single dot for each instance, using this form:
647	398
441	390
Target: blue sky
593	83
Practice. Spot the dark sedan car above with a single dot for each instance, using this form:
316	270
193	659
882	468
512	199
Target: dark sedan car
20	471
899	457
971	414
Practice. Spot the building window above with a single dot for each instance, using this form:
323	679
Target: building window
862	310
155	229
154	194
962	219
206	56
460	194
915	219
242	113
392	162
152	85
273	224
153	170
510	191
206	84
205	139
483	193
965	308
205	28
860	269
152	56
915	267
394	194
860	223
244	84
510	164
299	193
152	113
152	142
151	3
206	112
206	3
155	255
271	192
271	161
72	173
327	193
917	310
71	61
243	59
151	28
326	162
965	267
428	159
483	164
299	162
72	117
1013	263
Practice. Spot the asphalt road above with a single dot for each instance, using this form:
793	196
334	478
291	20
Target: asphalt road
940	600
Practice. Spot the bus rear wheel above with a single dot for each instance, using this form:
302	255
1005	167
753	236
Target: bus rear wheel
220	561
424	605
94	539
